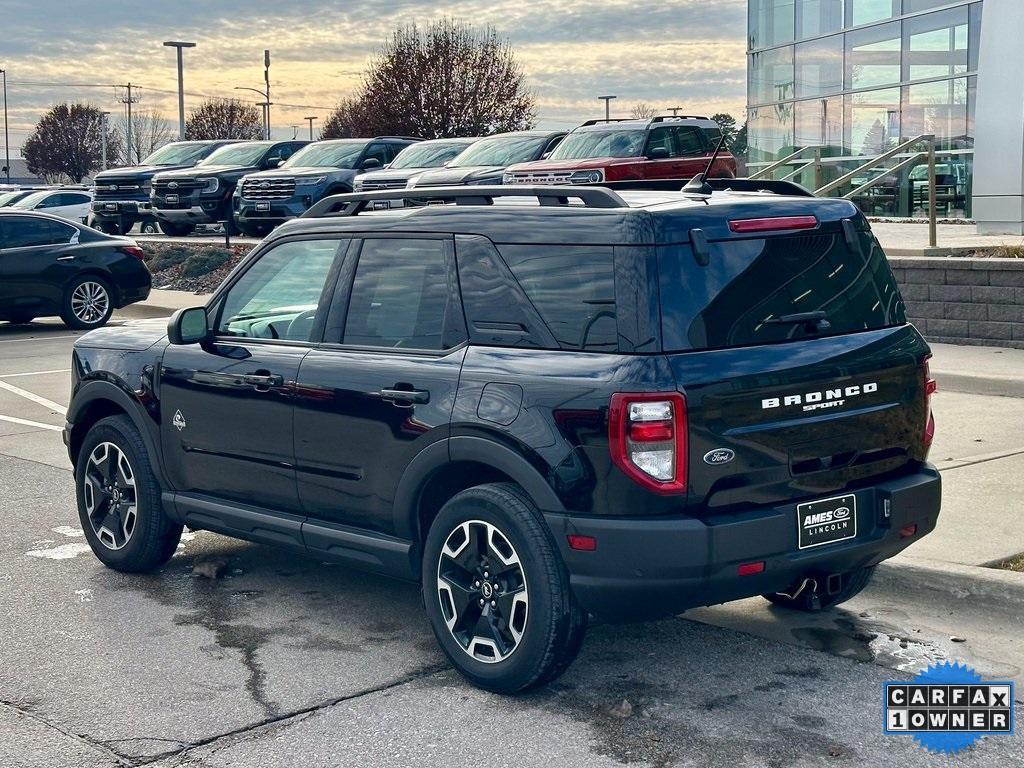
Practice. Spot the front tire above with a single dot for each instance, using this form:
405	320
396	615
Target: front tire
88	303
254	230
850	585
119	499
110	227
21	319
176	230
497	593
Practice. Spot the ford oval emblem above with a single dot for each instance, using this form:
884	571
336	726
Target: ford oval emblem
840	513
719	456
173	185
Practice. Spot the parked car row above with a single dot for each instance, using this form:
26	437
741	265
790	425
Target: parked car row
252	186
67	202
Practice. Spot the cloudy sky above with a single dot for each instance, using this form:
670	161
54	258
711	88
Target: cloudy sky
666	52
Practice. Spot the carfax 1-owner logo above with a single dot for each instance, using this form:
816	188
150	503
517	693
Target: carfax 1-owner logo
948	707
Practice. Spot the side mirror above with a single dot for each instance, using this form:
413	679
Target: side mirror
278	163
369	163
188	326
658	153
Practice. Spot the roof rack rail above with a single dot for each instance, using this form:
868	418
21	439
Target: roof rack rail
353	204
599	120
667	118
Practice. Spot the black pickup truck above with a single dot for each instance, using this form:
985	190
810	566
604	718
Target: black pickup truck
121	199
203	194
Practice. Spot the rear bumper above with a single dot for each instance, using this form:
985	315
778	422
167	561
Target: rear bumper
649	567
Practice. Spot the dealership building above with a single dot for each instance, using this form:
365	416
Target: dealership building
858	78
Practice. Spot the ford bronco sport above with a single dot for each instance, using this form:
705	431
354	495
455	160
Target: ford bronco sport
601	151
539	402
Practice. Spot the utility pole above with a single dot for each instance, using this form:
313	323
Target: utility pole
295	132
128	100
7	141
607	107
181	84
266	78
103	140
675	111
311	118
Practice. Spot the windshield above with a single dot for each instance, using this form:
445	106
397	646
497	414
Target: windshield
584	144
7	198
501	150
237	154
428	155
178	153
30	202
327	155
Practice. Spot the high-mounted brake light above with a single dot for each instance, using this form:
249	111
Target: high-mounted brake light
930	388
647	439
773	224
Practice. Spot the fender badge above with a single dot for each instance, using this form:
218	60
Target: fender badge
719	456
178	421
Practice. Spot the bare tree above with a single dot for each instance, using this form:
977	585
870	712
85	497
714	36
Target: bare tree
449	79
224	119
350	119
150	131
67	143
643	111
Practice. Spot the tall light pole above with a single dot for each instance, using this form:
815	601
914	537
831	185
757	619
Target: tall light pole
181	84
265	104
607	107
311	118
266	78
7	141
103	140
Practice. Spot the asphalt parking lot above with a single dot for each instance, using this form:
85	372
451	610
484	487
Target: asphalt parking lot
286	660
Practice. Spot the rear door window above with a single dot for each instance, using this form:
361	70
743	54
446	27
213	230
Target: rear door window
748	283
25	231
689	141
573	290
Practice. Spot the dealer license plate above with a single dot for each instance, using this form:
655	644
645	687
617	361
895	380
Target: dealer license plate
172	199
262	206
826	521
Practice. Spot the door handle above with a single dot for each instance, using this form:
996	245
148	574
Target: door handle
263	381
65	258
420	396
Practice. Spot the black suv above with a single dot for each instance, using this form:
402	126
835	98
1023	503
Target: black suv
121	199
203	194
599	404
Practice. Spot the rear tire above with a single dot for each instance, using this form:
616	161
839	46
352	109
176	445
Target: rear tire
491	544
851	584
88	303
176	230
119	499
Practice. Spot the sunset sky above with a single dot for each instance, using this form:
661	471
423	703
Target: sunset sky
666	52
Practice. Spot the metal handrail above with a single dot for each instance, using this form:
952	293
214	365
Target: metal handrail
874	162
893	169
767	170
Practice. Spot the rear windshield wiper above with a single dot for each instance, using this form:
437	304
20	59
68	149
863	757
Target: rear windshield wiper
816	319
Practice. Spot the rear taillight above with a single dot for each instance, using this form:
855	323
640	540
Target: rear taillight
773	224
647	439
930	388
133	251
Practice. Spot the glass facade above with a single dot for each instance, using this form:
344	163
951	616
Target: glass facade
858	77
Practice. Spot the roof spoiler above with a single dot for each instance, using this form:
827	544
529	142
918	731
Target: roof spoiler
353	204
765	186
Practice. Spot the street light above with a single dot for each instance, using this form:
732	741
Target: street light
103	139
181	85
266	78
607	107
311	118
7	142
265	104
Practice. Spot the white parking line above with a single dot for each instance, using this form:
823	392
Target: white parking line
38	339
33	373
27	423
33	397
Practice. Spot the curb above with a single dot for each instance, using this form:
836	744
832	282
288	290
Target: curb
992	384
987	587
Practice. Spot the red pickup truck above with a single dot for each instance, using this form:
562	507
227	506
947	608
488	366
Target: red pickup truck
664	147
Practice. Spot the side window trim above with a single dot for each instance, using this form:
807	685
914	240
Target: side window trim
326	296
338	315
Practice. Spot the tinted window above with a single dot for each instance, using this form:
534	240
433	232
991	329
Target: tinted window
279	296
399	295
20	232
746	282
379	152
689	140
573	289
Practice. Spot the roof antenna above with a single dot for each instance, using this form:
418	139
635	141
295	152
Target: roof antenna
698	185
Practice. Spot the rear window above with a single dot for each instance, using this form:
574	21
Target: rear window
749	282
573	290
